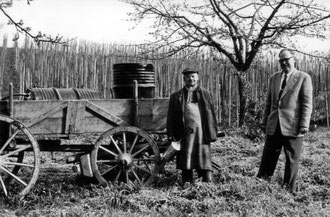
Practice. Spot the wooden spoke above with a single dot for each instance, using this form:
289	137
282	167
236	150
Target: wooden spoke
144	159
116	145
117	176
126	176
143	169
141	150
124	142
147	166
136	176
106	161
133	144
18	164
16	151
109	170
14	176
9	140
108	151
3	186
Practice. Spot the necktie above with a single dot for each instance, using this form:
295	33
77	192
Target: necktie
283	85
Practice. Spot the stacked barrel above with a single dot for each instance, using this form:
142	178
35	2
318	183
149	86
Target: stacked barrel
125	73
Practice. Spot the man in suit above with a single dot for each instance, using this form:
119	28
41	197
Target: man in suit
191	119
286	119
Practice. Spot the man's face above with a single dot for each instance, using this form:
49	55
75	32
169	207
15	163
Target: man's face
286	61
190	79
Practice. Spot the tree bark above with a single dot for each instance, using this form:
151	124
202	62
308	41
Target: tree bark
242	84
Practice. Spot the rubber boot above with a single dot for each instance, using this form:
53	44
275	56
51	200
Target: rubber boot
205	174
187	176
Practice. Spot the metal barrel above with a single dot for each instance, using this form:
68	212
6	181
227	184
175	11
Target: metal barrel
87	93
61	93
125	73
42	94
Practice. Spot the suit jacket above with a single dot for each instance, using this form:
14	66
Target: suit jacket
293	110
175	123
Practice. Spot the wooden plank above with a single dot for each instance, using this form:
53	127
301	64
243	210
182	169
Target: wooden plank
117	107
48	113
80	116
74	116
152	114
105	114
29	109
98	125
70	119
153	106
48	126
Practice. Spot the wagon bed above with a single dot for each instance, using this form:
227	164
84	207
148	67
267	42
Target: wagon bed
112	135
65	119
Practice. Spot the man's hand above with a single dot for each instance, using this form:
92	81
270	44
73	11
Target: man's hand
303	130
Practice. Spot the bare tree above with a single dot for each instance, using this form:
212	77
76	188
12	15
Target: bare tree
236	29
22	29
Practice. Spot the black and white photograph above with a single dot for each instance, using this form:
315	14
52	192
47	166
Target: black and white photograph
164	108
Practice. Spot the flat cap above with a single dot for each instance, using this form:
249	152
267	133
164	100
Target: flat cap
189	71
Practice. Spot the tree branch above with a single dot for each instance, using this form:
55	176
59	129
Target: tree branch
38	38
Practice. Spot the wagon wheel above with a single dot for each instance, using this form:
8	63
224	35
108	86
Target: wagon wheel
17	175
125	154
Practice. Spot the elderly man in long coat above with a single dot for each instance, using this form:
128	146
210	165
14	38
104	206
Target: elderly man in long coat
191	119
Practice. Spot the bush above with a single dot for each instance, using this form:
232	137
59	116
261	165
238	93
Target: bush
319	114
251	127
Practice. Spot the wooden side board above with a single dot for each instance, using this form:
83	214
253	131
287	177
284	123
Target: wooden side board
152	114
72	117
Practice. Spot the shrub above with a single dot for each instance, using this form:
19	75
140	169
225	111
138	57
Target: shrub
251	127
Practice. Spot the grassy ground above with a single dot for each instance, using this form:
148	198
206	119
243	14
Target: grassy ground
235	192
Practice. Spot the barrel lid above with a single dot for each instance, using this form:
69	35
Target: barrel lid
132	66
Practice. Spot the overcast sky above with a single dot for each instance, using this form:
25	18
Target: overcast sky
94	20
103	21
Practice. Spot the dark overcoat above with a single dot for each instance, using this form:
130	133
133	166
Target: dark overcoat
175	118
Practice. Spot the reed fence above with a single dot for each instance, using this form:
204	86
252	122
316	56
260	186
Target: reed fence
89	65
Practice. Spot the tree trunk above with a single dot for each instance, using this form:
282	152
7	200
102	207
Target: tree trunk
242	92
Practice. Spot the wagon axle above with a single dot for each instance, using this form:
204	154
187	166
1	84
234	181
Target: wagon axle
125	161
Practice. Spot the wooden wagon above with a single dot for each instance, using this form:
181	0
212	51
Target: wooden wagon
114	136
